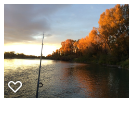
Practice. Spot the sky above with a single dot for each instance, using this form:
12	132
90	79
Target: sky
24	25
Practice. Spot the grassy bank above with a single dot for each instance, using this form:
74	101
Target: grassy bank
107	60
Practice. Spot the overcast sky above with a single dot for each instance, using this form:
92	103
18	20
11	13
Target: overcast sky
25	23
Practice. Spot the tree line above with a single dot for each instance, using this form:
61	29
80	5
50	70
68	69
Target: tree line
12	54
109	43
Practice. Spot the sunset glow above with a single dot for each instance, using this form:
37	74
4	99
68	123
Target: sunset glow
31	49
24	25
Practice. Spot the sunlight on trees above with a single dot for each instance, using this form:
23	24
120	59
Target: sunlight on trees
110	39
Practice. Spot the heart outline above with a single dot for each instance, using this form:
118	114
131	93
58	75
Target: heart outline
14	84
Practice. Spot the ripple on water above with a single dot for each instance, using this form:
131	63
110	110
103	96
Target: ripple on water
65	80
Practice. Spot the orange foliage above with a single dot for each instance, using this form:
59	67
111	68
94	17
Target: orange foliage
67	46
111	35
112	23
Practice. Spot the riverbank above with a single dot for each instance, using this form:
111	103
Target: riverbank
120	64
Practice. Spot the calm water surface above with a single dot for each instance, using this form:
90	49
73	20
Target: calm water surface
64	80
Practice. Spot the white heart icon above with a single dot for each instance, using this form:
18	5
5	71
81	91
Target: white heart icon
14	84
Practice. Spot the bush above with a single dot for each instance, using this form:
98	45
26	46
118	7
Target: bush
102	59
112	60
124	64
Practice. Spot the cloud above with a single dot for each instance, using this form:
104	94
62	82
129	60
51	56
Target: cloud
23	22
26	23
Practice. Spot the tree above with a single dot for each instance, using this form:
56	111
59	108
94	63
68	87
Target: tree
114	28
111	37
67	47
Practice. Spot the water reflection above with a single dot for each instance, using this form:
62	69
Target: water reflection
63	79
19	65
97	81
86	80
15	63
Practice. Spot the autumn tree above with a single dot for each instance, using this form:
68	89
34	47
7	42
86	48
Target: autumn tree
91	43
114	26
67	47
93	39
77	50
109	40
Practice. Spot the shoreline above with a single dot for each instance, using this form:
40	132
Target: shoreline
107	65
73	61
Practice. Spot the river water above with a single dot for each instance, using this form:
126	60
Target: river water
64	80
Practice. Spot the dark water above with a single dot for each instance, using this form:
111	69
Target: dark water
64	80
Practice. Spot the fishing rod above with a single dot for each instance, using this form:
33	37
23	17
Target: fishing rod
39	70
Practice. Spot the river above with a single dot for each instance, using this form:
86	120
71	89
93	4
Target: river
64	80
